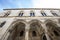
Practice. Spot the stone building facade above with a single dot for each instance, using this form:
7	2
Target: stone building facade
30	24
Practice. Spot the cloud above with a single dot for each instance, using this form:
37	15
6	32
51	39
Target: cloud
29	4
46	3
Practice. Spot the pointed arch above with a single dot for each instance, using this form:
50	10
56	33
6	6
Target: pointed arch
52	29
36	29
17	30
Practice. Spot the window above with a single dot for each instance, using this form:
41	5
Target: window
44	37
32	14
20	14
56	33
1	25
34	33
54	14
6	14
21	33
43	14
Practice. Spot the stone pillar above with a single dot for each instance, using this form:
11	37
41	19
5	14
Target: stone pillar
45	28
27	32
7	36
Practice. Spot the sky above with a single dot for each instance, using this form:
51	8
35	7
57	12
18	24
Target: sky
29	4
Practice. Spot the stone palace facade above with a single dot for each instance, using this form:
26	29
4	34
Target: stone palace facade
30	24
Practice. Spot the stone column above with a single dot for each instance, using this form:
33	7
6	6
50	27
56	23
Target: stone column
45	28
7	36
27	32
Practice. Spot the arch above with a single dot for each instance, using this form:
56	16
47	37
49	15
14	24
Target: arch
18	20
52	29
17	30
50	23
44	37
35	30
13	24
49	20
35	20
35	23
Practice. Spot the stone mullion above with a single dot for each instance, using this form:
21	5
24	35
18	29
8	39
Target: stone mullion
46	31
27	32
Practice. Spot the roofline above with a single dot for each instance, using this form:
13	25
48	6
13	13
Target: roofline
32	9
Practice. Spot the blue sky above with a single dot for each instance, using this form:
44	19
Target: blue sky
29	4
15	4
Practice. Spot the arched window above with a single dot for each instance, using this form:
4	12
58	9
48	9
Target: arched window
32	14
56	33
54	14
6	14
21	13
21	33
34	33
44	37
44	14
53	28
1	25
